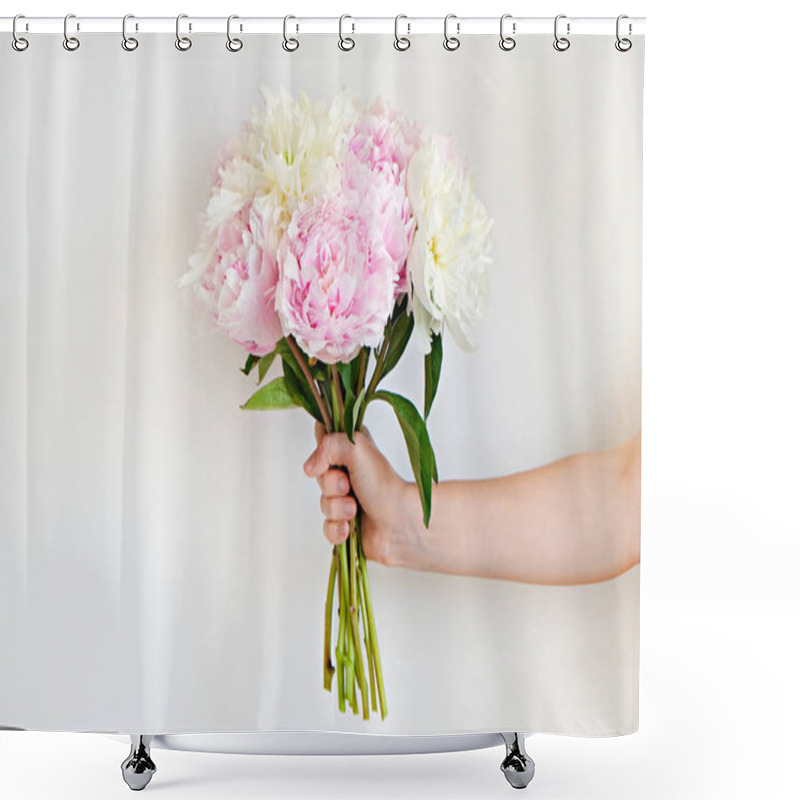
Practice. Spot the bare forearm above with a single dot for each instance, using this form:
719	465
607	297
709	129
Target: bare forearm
572	521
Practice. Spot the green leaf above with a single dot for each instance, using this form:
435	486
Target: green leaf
249	364
273	395
346	374
400	334
265	362
283	349
433	369
420	451
318	370
399	308
298	388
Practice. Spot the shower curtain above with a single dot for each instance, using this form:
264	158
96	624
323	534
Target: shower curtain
187	236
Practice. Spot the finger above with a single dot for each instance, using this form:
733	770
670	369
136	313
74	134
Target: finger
319	431
335	449
335	532
334	483
336	509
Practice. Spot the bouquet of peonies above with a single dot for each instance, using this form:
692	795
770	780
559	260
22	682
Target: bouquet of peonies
333	234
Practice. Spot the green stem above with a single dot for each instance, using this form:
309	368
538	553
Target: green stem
335	405
340	642
338	393
304	366
327	666
367	639
362	682
344	622
353	657
373	634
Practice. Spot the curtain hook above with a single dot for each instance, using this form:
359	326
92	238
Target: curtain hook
18	42
401	42
182	42
129	43
346	42
70	42
561	43
451	42
290	44
233	44
623	45
507	42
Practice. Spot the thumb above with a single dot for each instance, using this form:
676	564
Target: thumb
335	449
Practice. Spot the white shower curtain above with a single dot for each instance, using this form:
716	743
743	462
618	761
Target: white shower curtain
163	558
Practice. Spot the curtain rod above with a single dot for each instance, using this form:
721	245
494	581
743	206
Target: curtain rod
310	25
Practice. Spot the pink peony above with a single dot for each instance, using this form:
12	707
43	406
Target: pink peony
336	285
238	285
380	148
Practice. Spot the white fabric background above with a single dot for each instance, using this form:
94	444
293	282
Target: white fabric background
163	566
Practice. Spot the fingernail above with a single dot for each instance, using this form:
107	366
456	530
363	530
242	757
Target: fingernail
342	485
307	465
343	528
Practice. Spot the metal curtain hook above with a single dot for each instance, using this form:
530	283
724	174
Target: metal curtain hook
623	45
70	42
290	44
346	42
401	42
182	42
18	42
128	42
561	43
507	42
233	44
451	42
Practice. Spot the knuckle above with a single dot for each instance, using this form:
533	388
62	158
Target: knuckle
334	483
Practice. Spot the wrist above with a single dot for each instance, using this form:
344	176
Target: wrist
406	523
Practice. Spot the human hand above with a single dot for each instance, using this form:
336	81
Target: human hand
382	493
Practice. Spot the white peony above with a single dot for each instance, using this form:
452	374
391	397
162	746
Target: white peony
450	253
295	148
284	157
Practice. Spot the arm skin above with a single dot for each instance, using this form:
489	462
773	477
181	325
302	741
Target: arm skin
573	521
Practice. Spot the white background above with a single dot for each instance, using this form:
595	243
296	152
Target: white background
719	596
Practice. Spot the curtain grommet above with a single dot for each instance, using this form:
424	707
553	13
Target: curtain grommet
401	43
129	43
623	44
346	43
507	42
183	43
19	43
451	43
233	44
70	43
561	43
